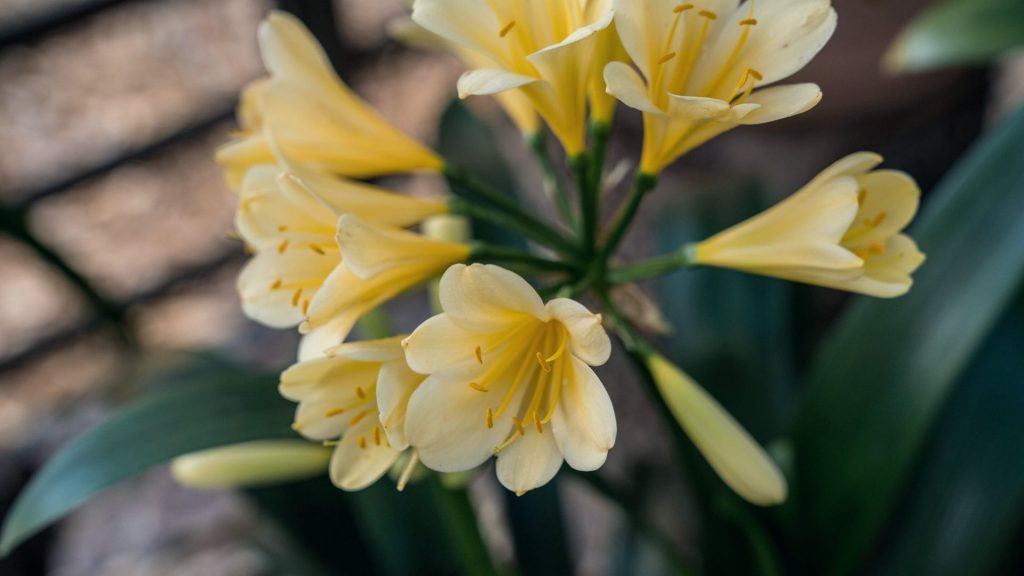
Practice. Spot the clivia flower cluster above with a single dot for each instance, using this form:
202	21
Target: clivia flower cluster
501	371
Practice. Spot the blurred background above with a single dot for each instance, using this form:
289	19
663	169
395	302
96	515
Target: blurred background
117	264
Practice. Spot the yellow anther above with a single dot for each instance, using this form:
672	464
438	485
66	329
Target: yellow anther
479	355
666	57
317	249
682	8
334	412
519	426
248	249
362	442
755	74
296	296
506	29
877	248
360	392
355	419
708	14
282	228
282	246
277	284
489	418
376	435
537	424
305	307
878	219
749	22
543	363
478	387
862	197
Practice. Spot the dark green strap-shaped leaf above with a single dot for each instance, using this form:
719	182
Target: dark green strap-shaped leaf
879	382
219	408
538	531
962	508
959	32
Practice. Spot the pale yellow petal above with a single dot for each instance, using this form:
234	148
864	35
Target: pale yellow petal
644	28
584	423
625	83
889	201
781	102
273	286
370	249
395	385
318	342
438	342
488	81
446	421
469	23
735	456
588	340
530	462
359	461
487	298
886	275
379	350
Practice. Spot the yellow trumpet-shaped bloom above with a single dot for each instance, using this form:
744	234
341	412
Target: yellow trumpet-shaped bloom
289	220
508	375
379	262
356	395
731	451
313	116
704	62
546	50
608	49
250	464
842	230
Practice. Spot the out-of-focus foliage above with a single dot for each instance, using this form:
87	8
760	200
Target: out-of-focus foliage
958	32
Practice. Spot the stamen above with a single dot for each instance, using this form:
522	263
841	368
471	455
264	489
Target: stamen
489	417
282	228
683	8
296	296
543	363
666	57
376	435
479	355
537	423
708	14
506	29
362	442
334	412
407	473
360	392
862	197
282	246
355	419
519	426
317	249
877	248
749	22
305	307
878	219
478	387
248	249
277	284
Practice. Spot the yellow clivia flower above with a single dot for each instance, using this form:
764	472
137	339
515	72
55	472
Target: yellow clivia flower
508	376
544	49
842	230
704	62
608	49
250	464
357	396
731	451
313	116
378	263
289	220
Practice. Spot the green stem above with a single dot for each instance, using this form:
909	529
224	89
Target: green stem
460	523
637	519
588	203
553	184
481	252
643	184
599	135
526	226
684	257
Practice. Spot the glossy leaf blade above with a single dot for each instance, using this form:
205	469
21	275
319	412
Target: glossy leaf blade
879	382
217	409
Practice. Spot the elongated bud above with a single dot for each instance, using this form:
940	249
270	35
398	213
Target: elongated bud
731	451
448	228
250	464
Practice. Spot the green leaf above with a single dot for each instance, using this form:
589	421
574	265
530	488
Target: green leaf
218	408
958	32
961	510
538	531
878	384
